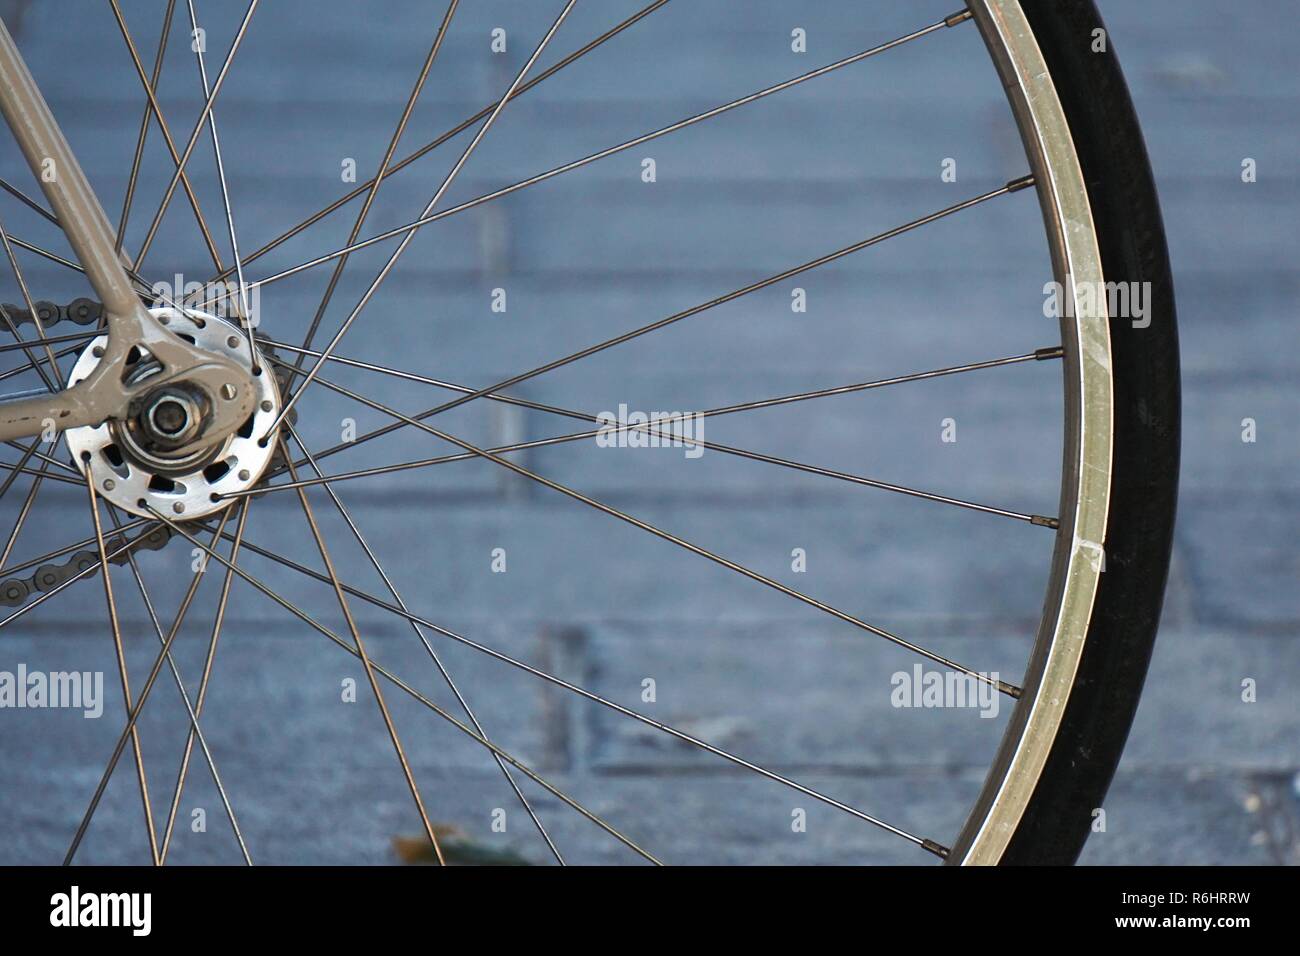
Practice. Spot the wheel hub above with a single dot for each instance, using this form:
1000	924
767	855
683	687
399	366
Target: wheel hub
135	462
173	416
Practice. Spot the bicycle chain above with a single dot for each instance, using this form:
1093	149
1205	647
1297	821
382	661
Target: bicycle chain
15	591
81	311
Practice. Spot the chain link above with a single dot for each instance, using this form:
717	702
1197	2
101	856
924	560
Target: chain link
16	591
80	311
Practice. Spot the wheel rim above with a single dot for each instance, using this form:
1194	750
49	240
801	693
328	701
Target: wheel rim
1079	557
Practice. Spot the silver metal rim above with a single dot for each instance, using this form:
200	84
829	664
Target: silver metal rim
1085	487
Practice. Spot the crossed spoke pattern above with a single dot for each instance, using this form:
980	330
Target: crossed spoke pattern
304	368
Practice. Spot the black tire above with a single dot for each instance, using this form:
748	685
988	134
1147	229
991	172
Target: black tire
1144	484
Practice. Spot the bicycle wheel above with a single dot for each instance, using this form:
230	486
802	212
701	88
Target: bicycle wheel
173	478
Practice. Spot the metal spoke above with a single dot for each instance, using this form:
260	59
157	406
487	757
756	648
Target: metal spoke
1050	352
23	512
144	290
386	674
84	573
194	136
434	144
21	468
245	318
31	471
50	340
151	89
46	254
437	196
379	176
54	220
153	106
53	461
366	662
1013	186
428	218
1009	689
573	688
31	308
34	361
139	705
10	373
1039	355
195	730
141	777
27	200
75	546
446	675
218	621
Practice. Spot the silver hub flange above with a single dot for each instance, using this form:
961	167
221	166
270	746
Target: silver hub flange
132	461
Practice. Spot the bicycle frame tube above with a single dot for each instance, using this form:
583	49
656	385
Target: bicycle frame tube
103	393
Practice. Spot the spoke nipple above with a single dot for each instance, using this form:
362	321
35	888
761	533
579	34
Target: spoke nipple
1055	352
1011	690
1044	522
960	17
938	849
1024	182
